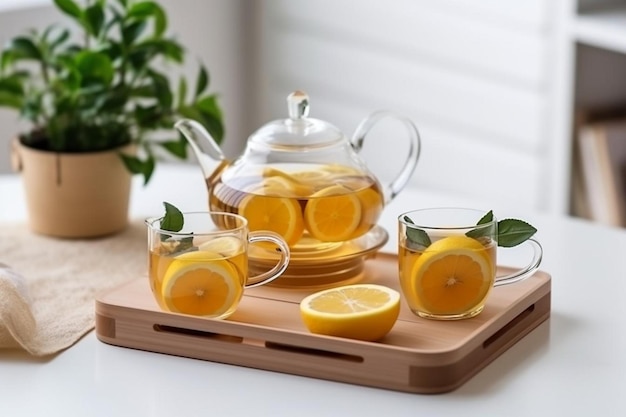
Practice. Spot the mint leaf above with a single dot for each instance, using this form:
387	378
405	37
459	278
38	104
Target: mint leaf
482	231
512	232
173	220
486	218
416	238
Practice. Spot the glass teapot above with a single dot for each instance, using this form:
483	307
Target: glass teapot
301	177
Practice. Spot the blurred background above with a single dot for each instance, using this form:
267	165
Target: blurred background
498	89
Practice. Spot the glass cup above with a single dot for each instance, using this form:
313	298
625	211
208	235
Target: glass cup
202	270
448	262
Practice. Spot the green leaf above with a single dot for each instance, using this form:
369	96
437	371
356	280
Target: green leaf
160	21
512	232
143	91
202	82
69	7
132	31
162	89
24	48
482	231
10	100
137	166
487	218
60	39
94	67
11	85
416	238
182	91
146	9
211	123
147	117
173	221
177	148
94	17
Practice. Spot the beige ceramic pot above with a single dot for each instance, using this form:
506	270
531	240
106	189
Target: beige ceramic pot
74	195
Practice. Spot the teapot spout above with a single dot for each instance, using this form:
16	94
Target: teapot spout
208	153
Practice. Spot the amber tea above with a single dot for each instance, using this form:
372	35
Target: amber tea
329	203
202	270
447	261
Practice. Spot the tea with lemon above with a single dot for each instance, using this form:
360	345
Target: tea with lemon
450	279
205	280
330	203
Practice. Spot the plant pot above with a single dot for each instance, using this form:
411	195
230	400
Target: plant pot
74	195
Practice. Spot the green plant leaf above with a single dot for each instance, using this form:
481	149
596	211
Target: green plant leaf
203	81
177	148
162	89
8	99
132	31
94	18
416	238
59	40
146	9
24	48
147	117
11	85
69	7
148	49
173	221
211	123
182	91
94	67
138	166
512	232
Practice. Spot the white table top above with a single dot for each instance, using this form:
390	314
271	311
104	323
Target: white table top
574	364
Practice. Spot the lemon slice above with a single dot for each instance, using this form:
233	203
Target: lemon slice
226	246
452	276
201	283
371	207
279	183
277	214
360	311
332	214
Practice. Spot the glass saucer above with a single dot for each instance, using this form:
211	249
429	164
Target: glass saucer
320	265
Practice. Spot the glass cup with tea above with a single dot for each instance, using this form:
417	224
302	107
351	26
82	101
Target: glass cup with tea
447	259
202	269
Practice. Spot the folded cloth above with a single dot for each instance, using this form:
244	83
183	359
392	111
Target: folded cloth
48	286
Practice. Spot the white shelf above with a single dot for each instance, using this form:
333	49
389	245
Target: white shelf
603	28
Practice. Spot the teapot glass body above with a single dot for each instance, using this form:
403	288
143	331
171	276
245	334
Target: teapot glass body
301	177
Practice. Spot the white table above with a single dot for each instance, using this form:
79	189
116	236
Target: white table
574	364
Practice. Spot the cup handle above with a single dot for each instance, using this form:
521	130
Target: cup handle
281	265
525	272
413	154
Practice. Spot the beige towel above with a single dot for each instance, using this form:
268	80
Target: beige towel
48	286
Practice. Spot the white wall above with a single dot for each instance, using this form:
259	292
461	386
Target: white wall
213	31
474	75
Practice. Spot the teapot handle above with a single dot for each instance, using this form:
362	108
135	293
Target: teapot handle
392	190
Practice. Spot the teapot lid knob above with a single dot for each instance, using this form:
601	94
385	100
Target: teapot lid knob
298	105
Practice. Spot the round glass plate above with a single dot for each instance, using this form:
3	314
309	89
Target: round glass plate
320	265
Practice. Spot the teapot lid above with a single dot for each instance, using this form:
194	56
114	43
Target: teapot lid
298	130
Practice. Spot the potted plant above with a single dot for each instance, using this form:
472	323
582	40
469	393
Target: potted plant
99	108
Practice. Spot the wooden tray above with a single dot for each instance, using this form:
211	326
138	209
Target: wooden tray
266	332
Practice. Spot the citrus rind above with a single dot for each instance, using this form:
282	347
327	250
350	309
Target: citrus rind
357	319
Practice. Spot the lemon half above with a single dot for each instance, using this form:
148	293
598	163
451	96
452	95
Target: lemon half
359	311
